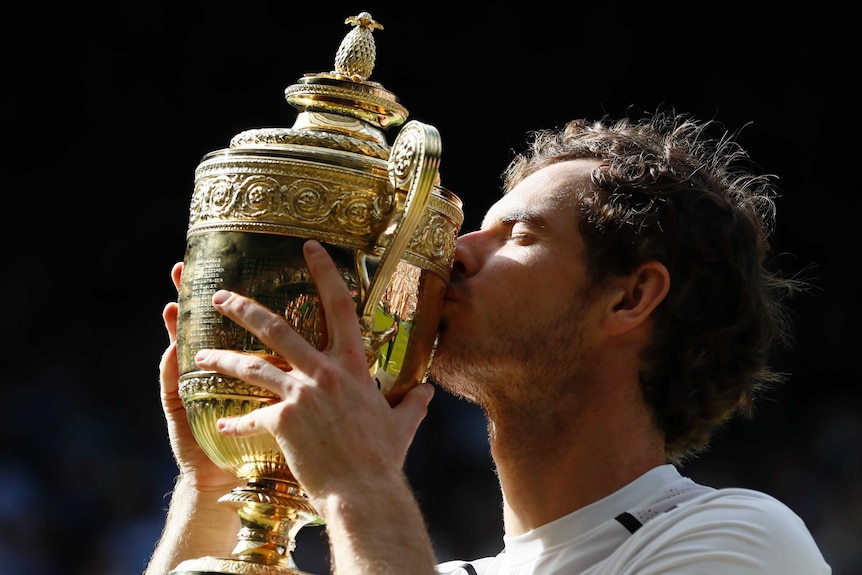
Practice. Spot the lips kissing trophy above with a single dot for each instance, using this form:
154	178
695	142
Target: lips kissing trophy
384	218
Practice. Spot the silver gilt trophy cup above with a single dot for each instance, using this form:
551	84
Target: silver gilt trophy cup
384	218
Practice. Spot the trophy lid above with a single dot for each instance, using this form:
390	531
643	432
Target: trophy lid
342	108
347	90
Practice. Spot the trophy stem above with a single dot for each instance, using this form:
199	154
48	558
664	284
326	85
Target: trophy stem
271	513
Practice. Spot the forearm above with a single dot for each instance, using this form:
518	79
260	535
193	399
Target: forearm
379	529
197	525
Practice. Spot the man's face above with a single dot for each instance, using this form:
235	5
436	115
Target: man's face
515	310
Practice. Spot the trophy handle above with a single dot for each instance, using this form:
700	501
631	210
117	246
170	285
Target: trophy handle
413	167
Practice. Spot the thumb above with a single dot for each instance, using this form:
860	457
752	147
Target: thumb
414	407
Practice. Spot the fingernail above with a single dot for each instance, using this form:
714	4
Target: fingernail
220	297
202	355
223	425
313	247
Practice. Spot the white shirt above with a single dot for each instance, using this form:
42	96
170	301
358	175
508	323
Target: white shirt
679	527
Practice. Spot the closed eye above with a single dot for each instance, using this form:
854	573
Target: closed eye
522	227
521	233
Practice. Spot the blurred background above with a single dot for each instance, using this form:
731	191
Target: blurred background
106	109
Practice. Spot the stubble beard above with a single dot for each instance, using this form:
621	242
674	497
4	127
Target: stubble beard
513	362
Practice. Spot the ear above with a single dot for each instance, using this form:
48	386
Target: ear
636	296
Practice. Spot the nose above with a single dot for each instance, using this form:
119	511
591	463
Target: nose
467	254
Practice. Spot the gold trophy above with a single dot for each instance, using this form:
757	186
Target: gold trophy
386	221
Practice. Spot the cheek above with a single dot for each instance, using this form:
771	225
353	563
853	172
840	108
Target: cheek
530	285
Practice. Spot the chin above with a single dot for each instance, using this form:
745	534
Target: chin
439	360
448	355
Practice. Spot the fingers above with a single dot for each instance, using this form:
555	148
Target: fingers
176	274
169	315
245	425
342	323
273	330
252	369
171	311
169	371
409	413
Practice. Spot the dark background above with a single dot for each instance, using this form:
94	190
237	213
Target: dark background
108	107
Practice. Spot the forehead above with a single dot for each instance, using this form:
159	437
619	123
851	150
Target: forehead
541	194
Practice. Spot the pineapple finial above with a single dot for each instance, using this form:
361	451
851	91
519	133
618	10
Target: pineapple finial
357	52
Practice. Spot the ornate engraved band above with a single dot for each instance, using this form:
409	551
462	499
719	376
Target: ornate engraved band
282	136
290	196
205	385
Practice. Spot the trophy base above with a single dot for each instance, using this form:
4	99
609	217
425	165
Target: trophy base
230	566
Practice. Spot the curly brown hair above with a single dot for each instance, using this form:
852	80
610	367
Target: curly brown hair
668	191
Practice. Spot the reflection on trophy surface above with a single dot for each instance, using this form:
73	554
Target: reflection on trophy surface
383	217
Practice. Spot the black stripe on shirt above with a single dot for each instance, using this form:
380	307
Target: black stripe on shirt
628	521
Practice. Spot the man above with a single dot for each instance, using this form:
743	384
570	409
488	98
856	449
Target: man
613	309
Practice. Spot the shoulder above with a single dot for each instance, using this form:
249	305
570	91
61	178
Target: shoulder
744	507
740	529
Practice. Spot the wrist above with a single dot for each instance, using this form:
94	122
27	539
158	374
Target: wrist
188	487
376	526
197	525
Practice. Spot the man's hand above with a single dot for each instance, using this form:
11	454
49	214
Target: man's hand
336	429
195	466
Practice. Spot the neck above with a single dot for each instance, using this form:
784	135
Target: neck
549	467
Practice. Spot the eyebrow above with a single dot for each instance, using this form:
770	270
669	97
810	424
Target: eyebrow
515	216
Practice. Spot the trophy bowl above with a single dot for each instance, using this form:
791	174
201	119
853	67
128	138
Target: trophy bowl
386	221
